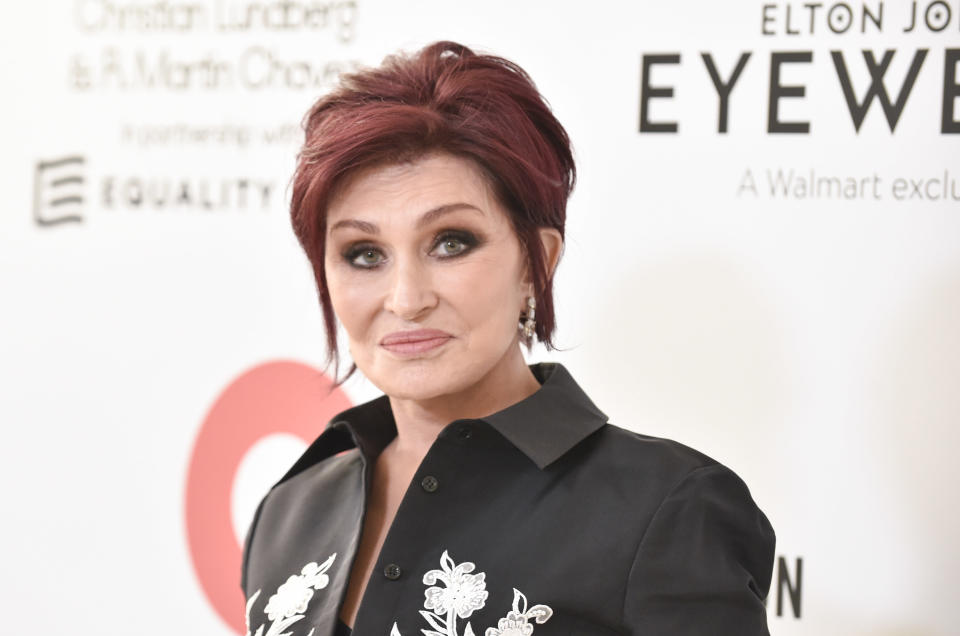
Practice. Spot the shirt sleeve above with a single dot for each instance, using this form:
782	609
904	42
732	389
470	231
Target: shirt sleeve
704	563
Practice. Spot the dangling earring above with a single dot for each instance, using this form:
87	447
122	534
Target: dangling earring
528	322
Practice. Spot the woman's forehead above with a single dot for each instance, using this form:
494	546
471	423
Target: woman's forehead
413	188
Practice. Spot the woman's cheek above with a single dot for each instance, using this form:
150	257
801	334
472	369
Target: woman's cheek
488	303
345	297
466	287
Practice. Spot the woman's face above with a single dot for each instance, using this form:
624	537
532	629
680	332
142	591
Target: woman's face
426	275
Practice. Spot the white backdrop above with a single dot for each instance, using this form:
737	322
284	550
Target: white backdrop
153	294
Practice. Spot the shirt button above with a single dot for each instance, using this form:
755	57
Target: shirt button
392	571
429	483
465	432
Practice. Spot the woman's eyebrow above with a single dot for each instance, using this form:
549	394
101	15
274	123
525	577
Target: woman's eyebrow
430	216
426	218
363	226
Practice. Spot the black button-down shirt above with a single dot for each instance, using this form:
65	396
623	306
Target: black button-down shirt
539	519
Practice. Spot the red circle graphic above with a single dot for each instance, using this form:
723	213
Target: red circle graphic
274	397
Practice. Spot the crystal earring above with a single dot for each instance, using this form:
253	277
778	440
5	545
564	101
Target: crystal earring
528	322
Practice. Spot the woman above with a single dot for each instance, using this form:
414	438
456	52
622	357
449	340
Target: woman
478	495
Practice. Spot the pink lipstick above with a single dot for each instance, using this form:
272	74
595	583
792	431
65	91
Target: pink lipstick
414	342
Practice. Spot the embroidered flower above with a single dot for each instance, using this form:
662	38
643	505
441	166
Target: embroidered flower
515	624
315	575
290	602
512	625
463	592
291	598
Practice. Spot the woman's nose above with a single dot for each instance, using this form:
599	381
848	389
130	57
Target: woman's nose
411	293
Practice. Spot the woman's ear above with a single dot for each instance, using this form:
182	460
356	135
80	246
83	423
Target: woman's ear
552	243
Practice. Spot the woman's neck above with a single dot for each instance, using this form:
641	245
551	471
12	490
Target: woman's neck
420	421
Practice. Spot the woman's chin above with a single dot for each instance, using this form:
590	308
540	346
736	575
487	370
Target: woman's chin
417	379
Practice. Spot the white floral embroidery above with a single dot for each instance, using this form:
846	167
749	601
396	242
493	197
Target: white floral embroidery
462	594
515	624
289	604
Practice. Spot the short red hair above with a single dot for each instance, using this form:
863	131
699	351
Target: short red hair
443	98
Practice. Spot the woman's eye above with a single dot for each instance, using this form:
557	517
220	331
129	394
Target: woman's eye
365	257
453	244
449	247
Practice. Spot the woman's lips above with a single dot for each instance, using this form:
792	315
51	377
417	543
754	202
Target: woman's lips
414	342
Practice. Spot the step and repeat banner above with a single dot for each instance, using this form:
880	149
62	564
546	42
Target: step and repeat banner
763	262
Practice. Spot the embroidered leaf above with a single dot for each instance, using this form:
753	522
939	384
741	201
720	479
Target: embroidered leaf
469	630
540	613
259	631
430	632
250	602
326	564
276	629
434	620
447	563
395	631
517	597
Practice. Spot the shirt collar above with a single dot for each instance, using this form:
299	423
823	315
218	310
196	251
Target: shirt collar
544	426
547	424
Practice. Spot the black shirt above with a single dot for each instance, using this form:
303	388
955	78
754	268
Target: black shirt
539	519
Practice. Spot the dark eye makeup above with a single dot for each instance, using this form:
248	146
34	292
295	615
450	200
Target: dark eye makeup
363	255
447	244
451	243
